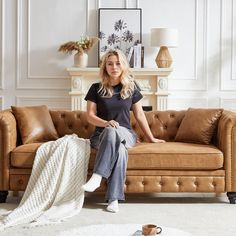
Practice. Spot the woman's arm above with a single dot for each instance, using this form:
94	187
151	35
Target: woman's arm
95	120
142	121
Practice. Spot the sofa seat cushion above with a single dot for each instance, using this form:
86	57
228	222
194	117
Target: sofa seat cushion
172	155
149	156
23	155
175	155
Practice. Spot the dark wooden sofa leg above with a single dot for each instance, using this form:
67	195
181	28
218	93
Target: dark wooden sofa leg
232	197
3	196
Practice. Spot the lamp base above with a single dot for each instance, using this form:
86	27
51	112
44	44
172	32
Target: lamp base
163	59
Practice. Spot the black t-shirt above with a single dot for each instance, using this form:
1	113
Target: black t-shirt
113	108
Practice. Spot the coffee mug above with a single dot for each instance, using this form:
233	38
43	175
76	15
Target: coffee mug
151	229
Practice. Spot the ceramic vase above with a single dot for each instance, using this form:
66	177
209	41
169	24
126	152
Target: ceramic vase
81	59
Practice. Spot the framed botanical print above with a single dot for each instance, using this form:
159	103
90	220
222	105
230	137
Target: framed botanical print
119	28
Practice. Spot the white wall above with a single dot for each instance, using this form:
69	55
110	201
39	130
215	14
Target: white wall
32	72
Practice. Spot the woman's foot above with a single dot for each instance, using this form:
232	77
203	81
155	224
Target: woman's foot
93	183
113	206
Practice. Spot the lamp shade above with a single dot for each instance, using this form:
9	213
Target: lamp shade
164	37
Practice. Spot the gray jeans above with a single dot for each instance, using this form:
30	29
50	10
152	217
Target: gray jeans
112	157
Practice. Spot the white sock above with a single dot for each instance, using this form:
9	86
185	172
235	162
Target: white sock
113	206
93	183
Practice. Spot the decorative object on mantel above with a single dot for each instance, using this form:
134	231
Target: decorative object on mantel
81	47
81	59
119	28
144	85
164	38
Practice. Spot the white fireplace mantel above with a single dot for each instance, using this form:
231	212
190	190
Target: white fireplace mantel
152	81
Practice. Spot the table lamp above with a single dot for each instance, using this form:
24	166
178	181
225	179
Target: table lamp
164	38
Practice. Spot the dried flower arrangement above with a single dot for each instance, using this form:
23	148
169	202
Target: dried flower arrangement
81	46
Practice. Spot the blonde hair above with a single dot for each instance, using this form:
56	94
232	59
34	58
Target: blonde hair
126	78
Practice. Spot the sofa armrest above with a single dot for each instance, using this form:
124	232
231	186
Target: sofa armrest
226	142
8	140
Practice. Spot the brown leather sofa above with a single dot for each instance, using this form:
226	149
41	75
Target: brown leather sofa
169	167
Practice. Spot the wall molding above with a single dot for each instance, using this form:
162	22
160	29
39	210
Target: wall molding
24	80
180	102
55	102
228	103
29	76
18	41
199	79
227	45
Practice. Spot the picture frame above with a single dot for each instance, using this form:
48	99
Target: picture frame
119	28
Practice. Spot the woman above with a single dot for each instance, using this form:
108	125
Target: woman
108	108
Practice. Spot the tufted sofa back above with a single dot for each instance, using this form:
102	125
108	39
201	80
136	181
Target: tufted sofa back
163	124
69	122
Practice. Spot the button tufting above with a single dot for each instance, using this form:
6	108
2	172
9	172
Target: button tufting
20	181
196	183
63	115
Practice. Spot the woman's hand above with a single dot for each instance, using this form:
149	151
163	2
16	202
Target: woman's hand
156	140
142	121
112	123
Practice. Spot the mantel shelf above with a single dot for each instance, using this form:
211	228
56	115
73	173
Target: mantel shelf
90	71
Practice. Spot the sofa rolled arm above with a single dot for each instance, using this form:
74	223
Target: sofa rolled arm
8	141
226	142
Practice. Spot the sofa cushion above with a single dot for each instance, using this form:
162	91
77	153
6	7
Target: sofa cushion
23	155
35	124
198	125
149	156
172	155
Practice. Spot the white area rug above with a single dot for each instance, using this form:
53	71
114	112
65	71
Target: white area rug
118	230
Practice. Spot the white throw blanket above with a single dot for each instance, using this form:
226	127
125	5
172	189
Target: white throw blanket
54	190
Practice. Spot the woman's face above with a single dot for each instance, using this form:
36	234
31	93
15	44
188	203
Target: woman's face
113	67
